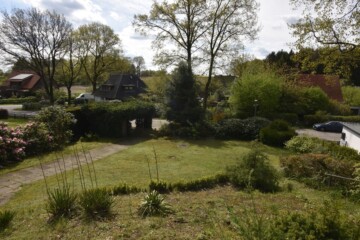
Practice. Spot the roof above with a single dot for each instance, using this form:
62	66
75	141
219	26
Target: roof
28	79
355	127
113	87
330	84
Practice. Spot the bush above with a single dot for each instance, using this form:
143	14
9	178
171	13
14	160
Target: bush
61	202
160	186
254	171
304	144
96	203
195	131
12	145
201	184
277	133
124	189
4	114
38	139
15	100
154	205
5	219
312	169
59	123
33	106
247	129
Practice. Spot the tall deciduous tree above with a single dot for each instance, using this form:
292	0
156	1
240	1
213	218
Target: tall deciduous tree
329	22
180	23
139	63
229	23
102	47
36	38
70	66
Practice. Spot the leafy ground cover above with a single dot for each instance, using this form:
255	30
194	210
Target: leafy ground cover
197	215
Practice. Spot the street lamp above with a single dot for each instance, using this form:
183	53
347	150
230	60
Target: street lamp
256	104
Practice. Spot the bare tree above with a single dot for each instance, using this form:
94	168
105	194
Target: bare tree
102	47
180	23
230	22
139	63
36	38
69	68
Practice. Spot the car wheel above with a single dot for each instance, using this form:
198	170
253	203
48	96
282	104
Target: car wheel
322	129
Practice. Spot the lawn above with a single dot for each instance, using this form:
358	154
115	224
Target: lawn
15	122
198	215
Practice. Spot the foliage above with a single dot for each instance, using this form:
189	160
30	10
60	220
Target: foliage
259	84
4	114
313	169
154	205
351	95
201	183
124	189
195	131
355	191
61	202
100	45
12	145
96	203
181	98
18	100
325	223
254	171
58	122
314	99
160	186
304	144
38	138
246	129
276	133
5	219
107	119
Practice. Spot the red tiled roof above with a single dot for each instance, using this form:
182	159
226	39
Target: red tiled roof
28	83
330	84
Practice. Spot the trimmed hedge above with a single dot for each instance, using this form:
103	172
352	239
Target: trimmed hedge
18	100
108	119
310	120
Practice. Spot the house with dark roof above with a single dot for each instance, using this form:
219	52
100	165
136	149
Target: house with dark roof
121	87
330	84
350	136
21	83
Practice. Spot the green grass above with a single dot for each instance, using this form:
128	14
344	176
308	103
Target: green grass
15	122
198	215
34	161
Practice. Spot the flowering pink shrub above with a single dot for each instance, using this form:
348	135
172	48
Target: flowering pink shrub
38	138
12	145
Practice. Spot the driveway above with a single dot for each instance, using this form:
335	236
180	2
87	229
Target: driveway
329	136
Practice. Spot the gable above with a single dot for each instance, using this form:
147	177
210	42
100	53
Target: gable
330	84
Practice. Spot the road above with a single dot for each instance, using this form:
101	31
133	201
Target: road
15	111
335	137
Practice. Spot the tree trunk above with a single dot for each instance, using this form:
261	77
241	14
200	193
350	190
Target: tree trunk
208	83
68	94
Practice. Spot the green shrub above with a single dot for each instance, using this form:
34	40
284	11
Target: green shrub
154	205
194	131
124	189
160	186
96	203
303	144
18	100
246	129
254	171
59	123
38	139
61	202
33	106
4	114
5	219
312	169
277	133
288	117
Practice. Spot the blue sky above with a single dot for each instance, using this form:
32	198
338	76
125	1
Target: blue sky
273	18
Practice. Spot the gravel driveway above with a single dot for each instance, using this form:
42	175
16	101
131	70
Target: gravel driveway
322	135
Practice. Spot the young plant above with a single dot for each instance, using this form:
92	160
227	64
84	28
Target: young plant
5	219
61	202
154	205
96	203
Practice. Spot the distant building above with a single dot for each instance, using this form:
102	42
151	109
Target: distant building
121	87
330	84
21	84
350	136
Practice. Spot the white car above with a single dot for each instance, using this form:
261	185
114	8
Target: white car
87	97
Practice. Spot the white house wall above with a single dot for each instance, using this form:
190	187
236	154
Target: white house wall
352	139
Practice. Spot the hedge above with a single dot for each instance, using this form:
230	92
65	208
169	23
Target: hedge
18	100
310	120
111	119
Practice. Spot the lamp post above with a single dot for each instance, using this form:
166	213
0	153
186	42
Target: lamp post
256	104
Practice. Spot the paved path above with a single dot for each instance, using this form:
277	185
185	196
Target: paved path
322	135
11	183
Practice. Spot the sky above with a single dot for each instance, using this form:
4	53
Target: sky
274	15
